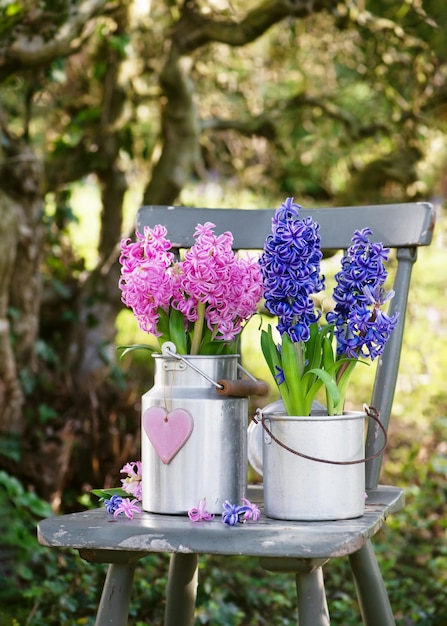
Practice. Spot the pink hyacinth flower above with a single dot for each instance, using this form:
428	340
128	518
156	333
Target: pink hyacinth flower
128	507
252	510
146	276
200	514
212	274
132	484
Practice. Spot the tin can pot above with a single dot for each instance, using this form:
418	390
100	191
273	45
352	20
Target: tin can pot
194	442
313	466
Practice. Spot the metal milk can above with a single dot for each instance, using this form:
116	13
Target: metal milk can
194	432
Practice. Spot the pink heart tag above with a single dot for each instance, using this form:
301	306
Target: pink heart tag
167	432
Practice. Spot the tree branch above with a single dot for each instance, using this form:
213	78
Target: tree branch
264	125
353	125
195	30
33	50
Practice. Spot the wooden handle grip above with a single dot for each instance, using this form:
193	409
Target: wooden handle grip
242	388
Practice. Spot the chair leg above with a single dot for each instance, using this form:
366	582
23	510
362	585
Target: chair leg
373	598
113	608
181	590
312	604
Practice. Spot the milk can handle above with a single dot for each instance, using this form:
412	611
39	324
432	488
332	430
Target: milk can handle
370	412
242	388
237	388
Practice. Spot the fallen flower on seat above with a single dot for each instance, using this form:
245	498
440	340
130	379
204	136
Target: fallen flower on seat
128	507
232	513
117	504
116	500
239	513
200	514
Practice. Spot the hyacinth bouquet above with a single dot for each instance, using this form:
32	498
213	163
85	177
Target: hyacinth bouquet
200	302
313	354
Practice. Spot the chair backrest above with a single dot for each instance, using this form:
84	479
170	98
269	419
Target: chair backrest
404	227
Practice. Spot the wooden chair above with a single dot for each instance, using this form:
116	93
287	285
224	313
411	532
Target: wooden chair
299	547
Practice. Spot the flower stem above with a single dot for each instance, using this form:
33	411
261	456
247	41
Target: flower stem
198	329
292	363
299	349
343	377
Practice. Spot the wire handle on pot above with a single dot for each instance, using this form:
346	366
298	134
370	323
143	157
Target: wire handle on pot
169	349
237	388
370	411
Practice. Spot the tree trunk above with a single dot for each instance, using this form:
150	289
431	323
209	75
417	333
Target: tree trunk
11	397
21	230
180	153
91	345
91	350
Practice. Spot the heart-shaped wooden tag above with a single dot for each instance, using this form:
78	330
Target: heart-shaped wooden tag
167	431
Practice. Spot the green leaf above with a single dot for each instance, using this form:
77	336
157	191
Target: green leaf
108	493
135	346
344	379
177	331
216	348
163	326
313	347
330	384
270	351
273	359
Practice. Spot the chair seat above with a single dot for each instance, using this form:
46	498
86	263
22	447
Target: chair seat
96	531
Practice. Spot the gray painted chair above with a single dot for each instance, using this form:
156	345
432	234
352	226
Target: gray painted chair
299	547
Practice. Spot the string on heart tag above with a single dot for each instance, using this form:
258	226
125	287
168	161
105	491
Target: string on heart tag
165	387
168	430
